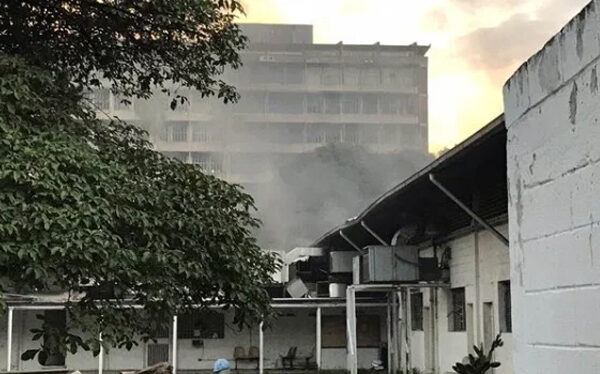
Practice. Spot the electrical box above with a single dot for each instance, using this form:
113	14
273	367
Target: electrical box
390	264
341	261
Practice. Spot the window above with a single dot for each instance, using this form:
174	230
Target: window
315	133
369	104
389	133
331	76
504	303
313	75
120	104
351	76
157	353
456	314
55	319
181	156
390	104
294	74
179	132
370	134
201	325
208	162
416	311
101	99
333	133
286	103
314	104
370	76
332	104
350	104
352	133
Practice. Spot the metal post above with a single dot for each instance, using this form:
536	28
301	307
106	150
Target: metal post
468	210
373	233
395	329
408	325
174	348
261	348
9	339
351	331
351	242
389	334
318	343
100	355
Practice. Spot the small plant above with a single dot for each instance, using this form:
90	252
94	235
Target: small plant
482	363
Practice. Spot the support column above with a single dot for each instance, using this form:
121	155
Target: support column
100	356
174	347
9	331
389	334
318	343
261	347
408	330
395	334
352	354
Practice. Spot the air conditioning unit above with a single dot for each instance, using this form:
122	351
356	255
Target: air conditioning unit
390	264
341	261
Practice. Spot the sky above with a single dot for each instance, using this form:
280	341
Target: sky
476	45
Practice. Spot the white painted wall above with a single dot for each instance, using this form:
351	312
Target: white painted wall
492	257
552	106
294	328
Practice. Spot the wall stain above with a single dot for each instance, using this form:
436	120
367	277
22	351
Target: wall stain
579	30
573	105
594	81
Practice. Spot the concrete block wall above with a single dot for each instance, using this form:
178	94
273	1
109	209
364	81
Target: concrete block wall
552	111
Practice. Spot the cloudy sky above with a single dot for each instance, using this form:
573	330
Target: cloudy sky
475	44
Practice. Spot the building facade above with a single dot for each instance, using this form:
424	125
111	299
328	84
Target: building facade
553	122
295	96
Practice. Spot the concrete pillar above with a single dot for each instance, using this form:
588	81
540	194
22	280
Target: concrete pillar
100	356
318	342
261	347
352	354
9	339
174	346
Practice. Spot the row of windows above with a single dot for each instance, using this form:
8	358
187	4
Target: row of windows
329	103
293	133
457	318
286	103
329	75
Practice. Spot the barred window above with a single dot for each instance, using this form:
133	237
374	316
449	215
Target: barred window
201	325
457	316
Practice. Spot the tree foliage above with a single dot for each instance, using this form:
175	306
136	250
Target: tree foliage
134	45
87	206
482	363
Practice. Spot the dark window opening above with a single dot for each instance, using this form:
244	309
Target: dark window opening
457	318
504	303
201	325
416	311
55	320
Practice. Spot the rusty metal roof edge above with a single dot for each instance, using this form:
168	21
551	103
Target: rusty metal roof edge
496	124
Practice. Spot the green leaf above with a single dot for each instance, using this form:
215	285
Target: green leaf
29	354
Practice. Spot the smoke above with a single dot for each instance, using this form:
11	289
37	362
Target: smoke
312	193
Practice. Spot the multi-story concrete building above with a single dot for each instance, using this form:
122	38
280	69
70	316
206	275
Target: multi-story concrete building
295	97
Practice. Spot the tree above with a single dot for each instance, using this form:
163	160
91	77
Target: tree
87	206
133	46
